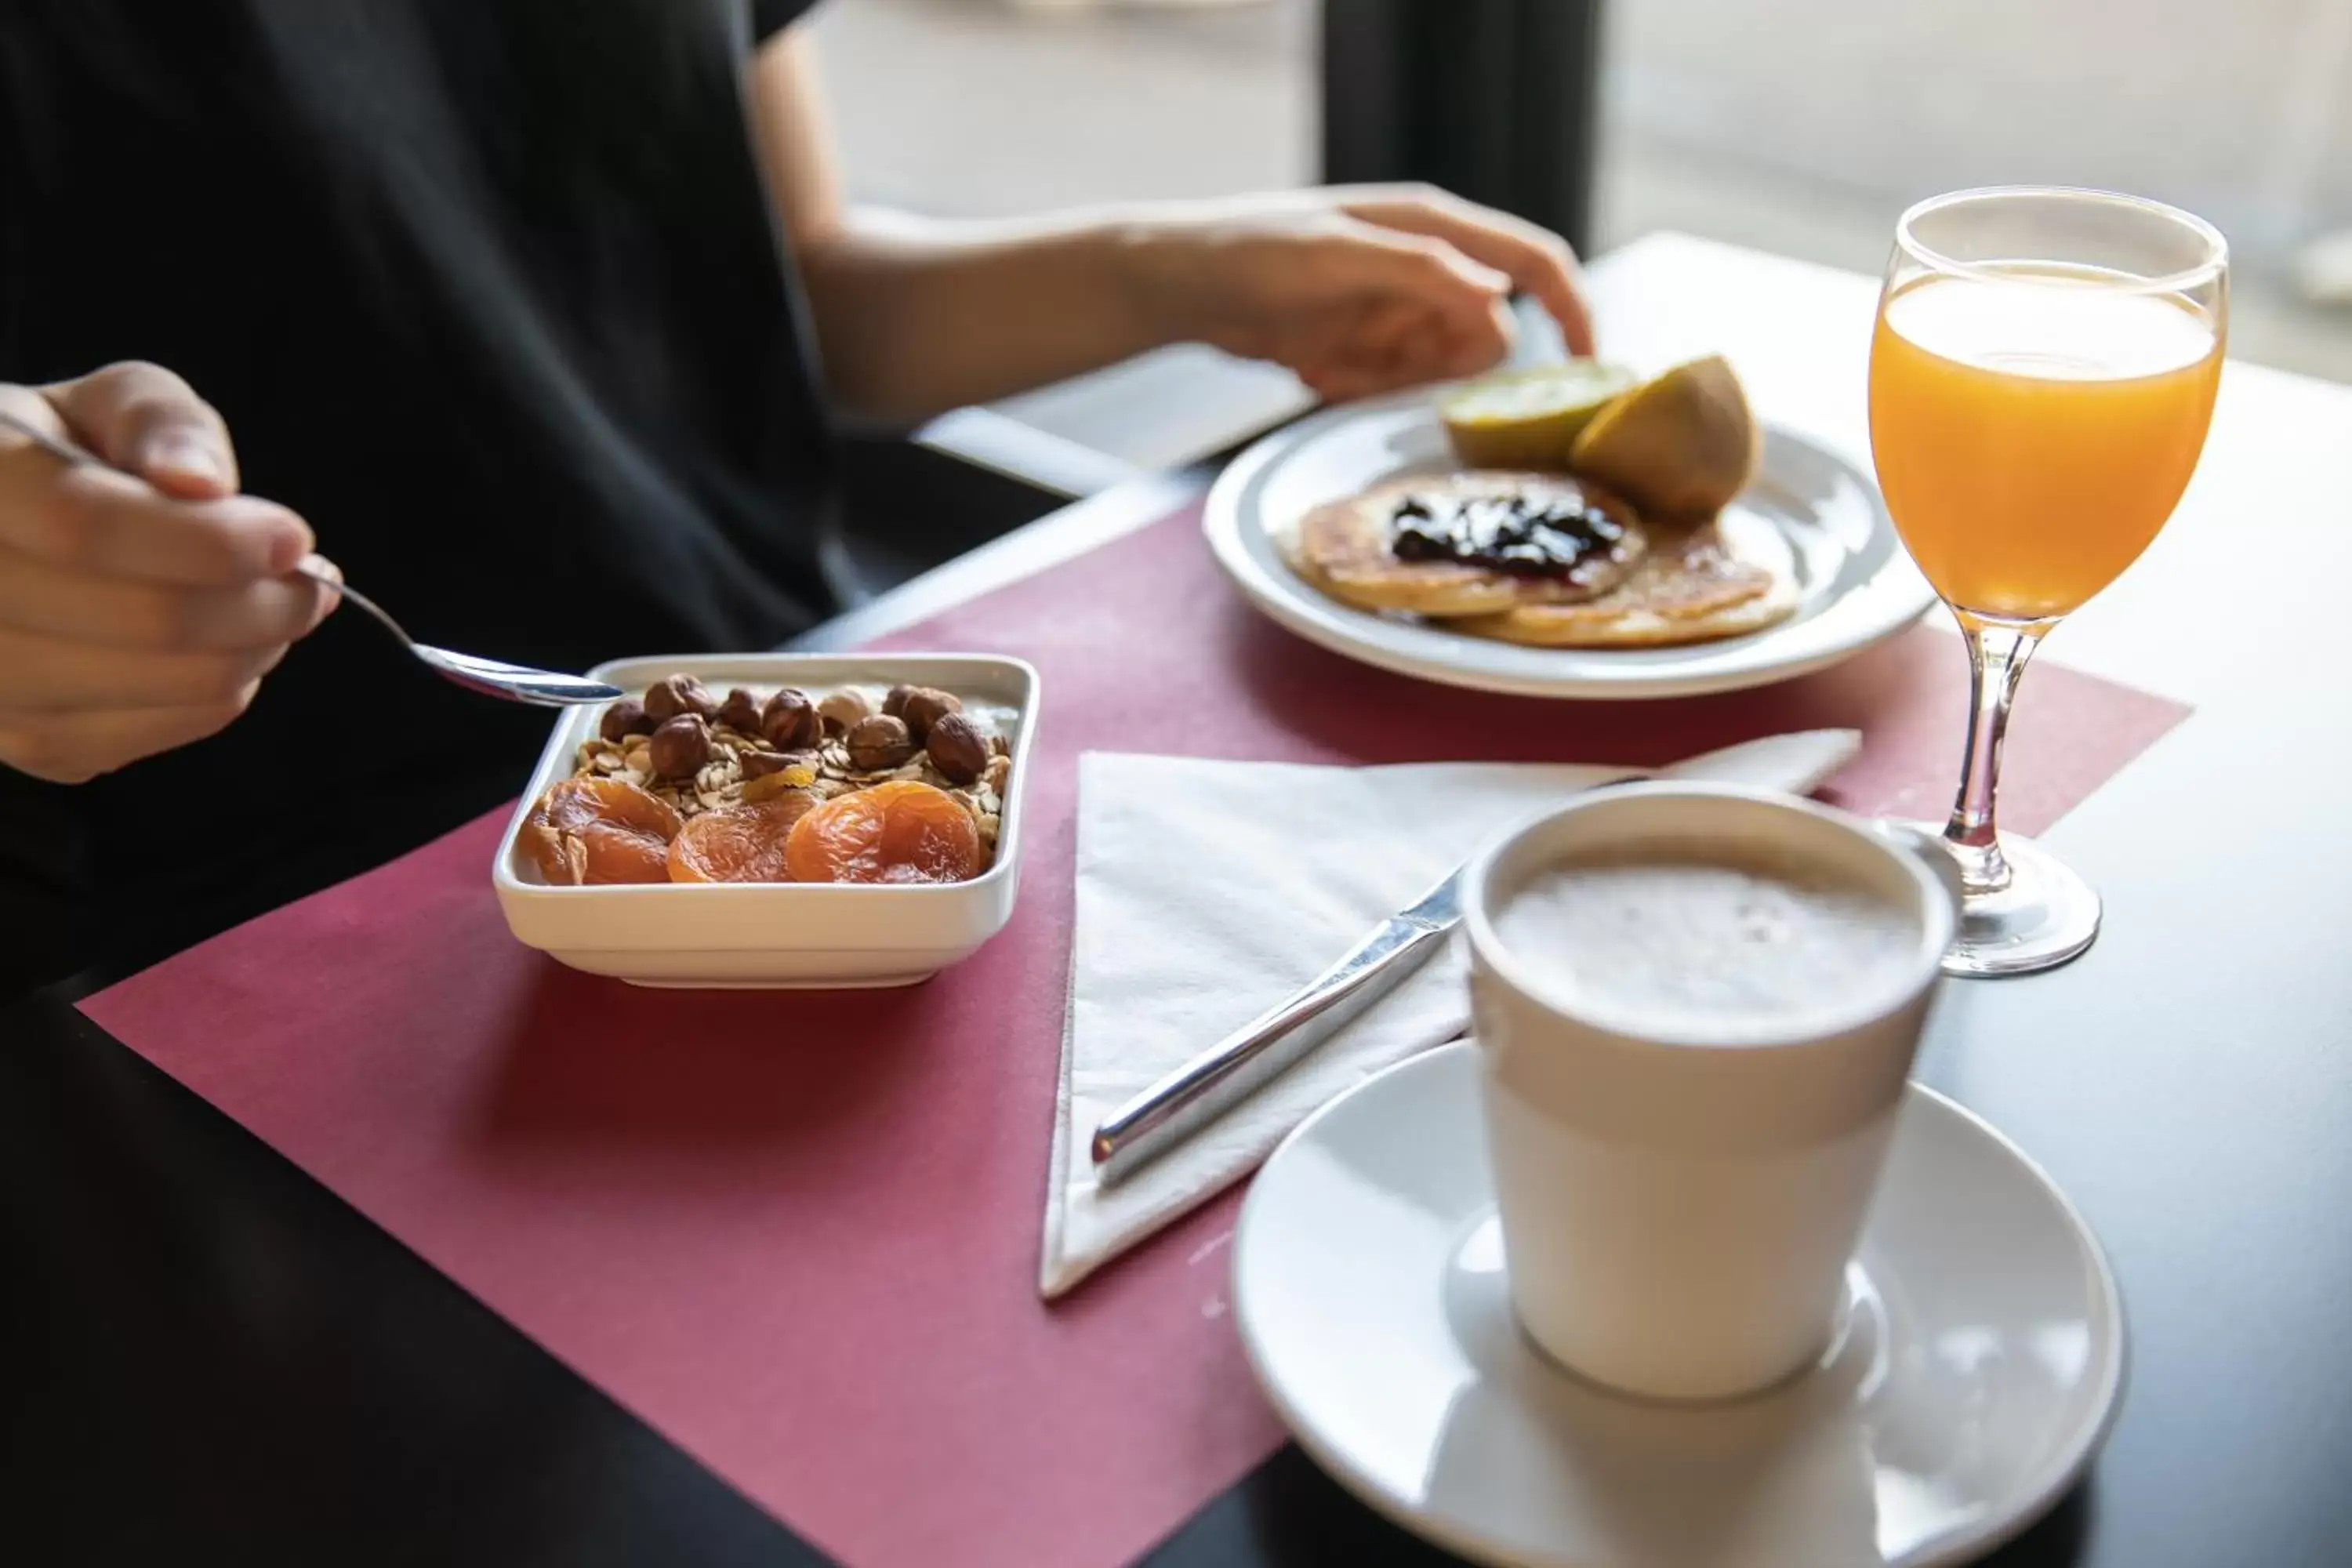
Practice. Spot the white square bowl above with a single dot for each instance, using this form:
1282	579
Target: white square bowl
775	934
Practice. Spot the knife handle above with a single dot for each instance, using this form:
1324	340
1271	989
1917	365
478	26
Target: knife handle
1172	1109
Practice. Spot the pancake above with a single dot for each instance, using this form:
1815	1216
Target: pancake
1346	549
1699	582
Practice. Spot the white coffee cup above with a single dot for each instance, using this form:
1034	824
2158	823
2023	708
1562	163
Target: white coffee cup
1678	1207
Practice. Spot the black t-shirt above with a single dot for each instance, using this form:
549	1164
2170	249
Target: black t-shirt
490	291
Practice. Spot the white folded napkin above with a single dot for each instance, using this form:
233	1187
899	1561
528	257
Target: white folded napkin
1207	891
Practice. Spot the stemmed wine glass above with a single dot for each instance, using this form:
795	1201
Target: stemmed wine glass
2041	376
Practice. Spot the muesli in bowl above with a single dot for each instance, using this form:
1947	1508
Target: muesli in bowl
764	842
856	783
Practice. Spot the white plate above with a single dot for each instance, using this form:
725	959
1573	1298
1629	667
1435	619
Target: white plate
774	934
1857	585
1979	1367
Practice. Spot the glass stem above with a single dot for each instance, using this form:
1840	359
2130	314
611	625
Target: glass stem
1998	652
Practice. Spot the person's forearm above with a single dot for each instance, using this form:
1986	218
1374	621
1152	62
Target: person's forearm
916	316
1357	290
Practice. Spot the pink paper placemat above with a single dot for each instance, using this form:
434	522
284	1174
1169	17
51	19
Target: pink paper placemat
798	1232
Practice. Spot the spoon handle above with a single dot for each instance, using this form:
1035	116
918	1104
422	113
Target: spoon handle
63	451
326	577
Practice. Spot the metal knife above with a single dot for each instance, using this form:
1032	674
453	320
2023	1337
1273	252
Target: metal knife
1197	1092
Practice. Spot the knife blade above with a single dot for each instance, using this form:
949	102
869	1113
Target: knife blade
1179	1103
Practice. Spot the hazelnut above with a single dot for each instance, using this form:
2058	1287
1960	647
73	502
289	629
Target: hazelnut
842	710
666	699
958	749
627	717
681	747
880	743
741	712
759	764
894	701
790	722
924	708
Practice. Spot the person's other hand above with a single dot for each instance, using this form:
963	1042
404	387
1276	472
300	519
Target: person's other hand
136	614
1358	288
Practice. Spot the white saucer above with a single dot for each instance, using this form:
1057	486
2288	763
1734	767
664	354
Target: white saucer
1855	585
1981	1366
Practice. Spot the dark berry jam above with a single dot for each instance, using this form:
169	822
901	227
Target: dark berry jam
1550	536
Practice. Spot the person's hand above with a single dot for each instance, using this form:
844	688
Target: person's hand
1358	288
136	614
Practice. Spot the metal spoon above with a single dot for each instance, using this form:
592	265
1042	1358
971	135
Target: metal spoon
491	677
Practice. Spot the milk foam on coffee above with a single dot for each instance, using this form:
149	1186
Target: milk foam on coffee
1683	940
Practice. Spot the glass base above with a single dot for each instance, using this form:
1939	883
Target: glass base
2042	916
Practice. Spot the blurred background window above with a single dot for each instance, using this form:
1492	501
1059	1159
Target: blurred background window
1797	126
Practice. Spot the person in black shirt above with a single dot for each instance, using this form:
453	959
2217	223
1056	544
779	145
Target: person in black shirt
533	316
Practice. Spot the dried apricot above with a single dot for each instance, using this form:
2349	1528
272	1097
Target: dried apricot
896	831
743	843
599	831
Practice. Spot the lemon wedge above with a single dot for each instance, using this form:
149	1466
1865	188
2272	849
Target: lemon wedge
1679	446
1528	418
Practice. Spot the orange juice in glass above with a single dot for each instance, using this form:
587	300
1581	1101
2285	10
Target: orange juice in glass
2031	439
2041	374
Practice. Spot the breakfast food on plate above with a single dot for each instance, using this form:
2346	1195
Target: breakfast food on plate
1680	446
1699	582
851	785
1594	516
1528	418
1468	544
